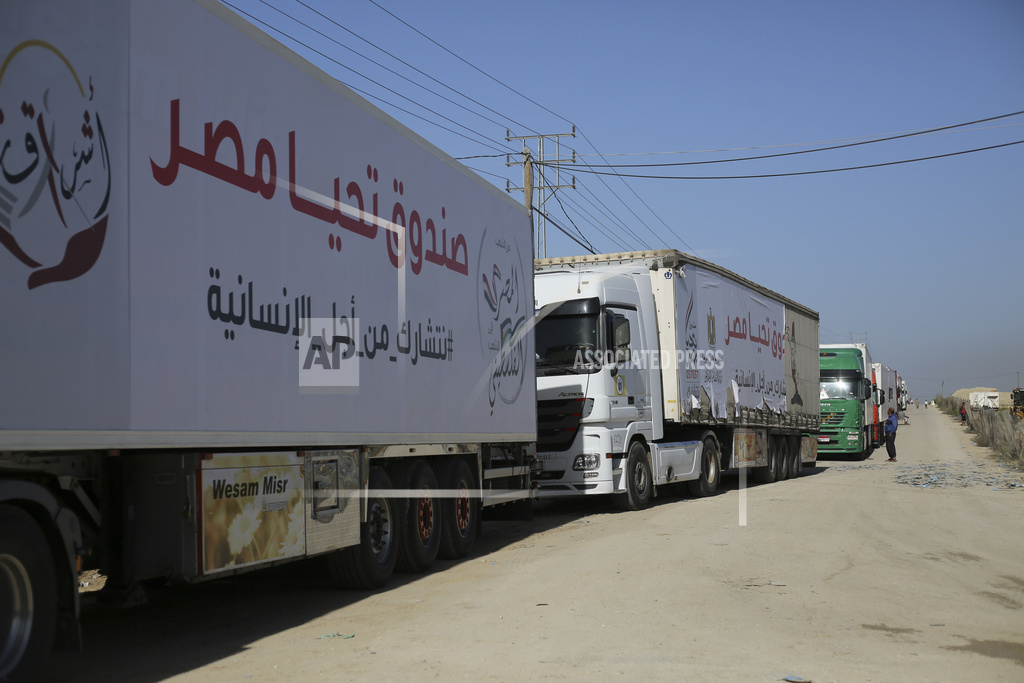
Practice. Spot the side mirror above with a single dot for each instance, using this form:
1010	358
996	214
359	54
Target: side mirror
867	390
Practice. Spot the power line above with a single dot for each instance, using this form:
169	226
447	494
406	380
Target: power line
482	156
471	65
694	251
398	59
797	173
596	222
789	144
348	68
607	211
578	231
383	101
560	228
528	99
804	151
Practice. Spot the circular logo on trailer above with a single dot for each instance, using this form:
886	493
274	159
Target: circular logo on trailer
54	165
504	310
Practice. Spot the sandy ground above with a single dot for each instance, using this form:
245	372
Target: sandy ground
841	575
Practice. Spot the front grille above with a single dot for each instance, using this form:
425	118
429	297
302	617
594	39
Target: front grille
558	421
832	419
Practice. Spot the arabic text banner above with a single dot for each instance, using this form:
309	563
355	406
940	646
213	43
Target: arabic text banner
749	330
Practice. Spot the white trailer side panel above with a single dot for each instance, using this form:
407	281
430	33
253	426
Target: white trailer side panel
733	341
249	193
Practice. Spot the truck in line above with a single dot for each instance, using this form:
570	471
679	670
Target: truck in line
848	424
248	318
656	368
886	396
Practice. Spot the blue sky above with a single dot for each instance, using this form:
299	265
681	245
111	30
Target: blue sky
927	258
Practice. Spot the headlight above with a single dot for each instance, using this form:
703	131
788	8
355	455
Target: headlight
587	461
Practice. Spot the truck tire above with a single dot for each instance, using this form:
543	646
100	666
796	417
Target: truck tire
796	464
28	596
710	470
371	563
420	537
460	513
637	473
770	472
782	457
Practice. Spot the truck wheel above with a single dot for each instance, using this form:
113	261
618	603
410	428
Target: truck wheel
782	457
639	486
795	463
460	513
420	538
28	596
710	471
371	563
770	472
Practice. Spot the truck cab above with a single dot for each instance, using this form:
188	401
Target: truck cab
845	390
592	400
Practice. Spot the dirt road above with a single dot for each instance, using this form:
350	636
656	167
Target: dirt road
845	574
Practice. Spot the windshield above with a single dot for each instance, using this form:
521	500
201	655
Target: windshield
568	342
846	389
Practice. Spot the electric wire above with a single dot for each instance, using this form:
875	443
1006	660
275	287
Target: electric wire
382	100
471	65
388	69
622	178
596	223
481	156
578	231
549	219
363	92
477	69
792	144
804	151
612	216
796	173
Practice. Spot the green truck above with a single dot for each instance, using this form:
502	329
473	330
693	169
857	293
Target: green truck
846	416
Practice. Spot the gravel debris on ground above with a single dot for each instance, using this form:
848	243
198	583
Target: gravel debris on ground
945	475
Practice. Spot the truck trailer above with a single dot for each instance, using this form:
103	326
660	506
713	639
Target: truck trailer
248	318
657	367
848	422
885	397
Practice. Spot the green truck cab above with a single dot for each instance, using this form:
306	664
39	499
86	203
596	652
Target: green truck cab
845	391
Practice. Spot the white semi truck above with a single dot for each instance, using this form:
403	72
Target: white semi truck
658	367
247	318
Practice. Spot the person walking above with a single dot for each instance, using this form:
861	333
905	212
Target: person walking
963	414
890	435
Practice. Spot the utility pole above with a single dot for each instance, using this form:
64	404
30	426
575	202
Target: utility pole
543	188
